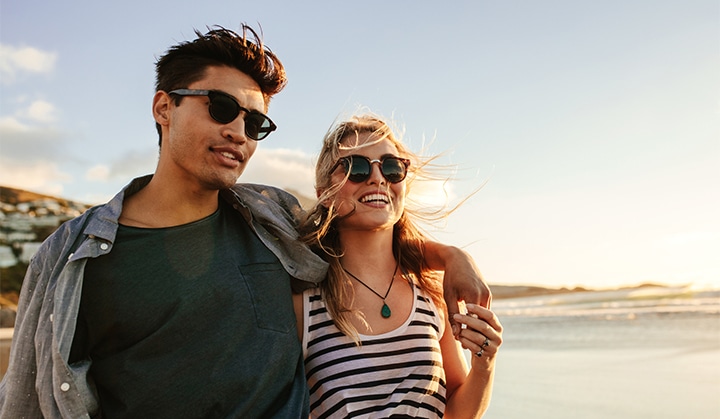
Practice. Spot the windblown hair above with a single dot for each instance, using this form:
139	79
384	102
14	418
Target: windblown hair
187	61
319	231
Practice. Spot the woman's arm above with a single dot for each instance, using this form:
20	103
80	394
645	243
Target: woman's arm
297	299
469	393
462	279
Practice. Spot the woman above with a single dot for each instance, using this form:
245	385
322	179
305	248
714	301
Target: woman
376	338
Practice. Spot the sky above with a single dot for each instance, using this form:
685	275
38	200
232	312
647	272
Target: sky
589	129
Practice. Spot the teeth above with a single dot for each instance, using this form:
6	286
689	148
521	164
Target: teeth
228	155
374	197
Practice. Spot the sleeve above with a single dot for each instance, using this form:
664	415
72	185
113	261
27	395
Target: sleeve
26	390
18	396
285	200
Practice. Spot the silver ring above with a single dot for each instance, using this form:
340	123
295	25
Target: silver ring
486	343
479	353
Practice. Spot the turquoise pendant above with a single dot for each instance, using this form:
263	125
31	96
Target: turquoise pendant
385	311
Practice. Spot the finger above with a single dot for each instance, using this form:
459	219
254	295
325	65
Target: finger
478	337
480	294
480	345
486	299
471	291
477	331
485	315
453	309
485	352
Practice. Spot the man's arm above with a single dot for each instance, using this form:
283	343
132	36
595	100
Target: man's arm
462	280
18	394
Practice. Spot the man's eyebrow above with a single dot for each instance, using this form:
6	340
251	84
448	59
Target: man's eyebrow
262	111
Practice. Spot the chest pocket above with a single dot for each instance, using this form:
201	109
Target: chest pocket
269	290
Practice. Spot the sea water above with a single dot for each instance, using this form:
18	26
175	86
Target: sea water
641	353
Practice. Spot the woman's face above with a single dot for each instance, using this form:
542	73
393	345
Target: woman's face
377	203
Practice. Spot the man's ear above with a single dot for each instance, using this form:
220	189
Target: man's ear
161	108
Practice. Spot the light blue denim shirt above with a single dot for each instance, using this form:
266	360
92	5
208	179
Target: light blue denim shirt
39	381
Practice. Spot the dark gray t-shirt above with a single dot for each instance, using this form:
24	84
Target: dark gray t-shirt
193	321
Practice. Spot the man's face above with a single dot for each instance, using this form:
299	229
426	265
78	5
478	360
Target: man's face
198	151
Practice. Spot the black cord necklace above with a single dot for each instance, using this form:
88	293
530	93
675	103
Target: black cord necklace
385	311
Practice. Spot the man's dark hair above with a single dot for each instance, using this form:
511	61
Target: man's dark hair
187	61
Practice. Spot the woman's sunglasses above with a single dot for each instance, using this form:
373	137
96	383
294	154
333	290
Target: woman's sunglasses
224	109
358	168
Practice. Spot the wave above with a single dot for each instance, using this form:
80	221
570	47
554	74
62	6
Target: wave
624	302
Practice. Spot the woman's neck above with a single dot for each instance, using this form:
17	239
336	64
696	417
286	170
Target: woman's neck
367	252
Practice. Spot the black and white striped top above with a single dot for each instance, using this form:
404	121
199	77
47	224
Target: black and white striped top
395	373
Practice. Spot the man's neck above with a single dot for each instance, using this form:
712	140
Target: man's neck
158	205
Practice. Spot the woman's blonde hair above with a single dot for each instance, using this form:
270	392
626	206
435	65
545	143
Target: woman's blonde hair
319	228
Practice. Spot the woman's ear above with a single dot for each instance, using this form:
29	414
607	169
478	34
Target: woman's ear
318	195
161	108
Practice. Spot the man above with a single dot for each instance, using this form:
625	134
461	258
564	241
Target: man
174	299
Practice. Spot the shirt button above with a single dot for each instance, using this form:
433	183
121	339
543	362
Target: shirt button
104	246
64	386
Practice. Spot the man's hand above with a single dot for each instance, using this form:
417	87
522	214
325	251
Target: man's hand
462	281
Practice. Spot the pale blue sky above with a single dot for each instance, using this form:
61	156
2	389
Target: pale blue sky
596	123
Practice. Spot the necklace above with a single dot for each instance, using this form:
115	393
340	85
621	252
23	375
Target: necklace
385	310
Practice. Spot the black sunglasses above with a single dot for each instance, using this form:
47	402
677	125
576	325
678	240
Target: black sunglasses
358	168
224	109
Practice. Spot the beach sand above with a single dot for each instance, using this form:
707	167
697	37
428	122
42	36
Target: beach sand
608	357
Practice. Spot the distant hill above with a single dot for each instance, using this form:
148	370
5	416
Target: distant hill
514	291
15	196
518	291
20	208
26	219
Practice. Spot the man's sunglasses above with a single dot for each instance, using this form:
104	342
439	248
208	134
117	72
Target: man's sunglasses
358	168
224	109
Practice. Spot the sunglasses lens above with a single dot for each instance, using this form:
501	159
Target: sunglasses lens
393	169
359	169
257	126
223	109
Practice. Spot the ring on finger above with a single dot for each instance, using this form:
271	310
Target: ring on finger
479	353
486	343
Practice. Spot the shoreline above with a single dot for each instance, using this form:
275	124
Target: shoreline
504	291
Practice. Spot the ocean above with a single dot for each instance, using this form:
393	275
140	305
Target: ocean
650	352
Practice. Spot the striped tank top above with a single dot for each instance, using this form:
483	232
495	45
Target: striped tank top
396	373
